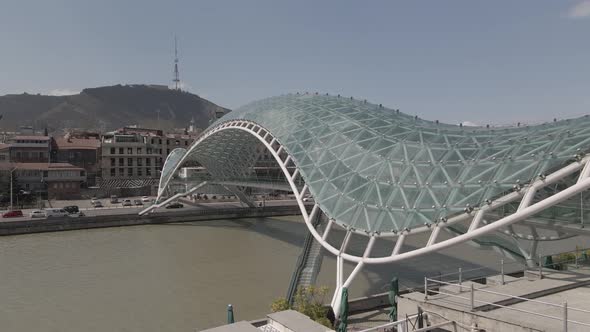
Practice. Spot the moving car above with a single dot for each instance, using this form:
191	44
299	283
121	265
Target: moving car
127	202
174	205
146	199
74	211
50	213
37	214
12	214
96	204
137	202
114	199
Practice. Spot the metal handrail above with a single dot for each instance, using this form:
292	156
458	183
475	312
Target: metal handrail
472	299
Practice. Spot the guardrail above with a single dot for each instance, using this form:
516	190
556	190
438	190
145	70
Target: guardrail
580	255
301	261
473	301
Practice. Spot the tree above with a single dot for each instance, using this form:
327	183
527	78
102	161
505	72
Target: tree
5	186
308	301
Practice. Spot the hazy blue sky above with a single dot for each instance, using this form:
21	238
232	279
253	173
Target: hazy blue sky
481	61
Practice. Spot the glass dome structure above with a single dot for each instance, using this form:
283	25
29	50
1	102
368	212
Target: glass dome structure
378	170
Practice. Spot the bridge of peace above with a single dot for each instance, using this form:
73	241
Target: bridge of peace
376	173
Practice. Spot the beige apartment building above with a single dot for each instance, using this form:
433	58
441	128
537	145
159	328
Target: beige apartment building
137	153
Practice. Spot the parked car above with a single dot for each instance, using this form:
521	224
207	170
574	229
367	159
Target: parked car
146	199
174	205
51	213
137	202
96	204
127	202
114	199
12	214
37	214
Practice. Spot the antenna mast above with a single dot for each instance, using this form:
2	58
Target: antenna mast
176	79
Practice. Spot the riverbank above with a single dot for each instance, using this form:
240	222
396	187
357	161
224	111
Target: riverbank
20	227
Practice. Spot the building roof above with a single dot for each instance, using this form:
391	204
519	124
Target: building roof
376	169
64	143
41	166
38	138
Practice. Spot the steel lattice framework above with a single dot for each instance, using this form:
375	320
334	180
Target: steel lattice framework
381	173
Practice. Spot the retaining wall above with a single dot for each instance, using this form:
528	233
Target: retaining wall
69	223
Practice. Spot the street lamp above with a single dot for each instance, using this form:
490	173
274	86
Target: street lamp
11	171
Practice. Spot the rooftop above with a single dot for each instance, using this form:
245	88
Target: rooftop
30	137
64	143
40	166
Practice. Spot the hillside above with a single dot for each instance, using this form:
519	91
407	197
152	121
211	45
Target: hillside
107	108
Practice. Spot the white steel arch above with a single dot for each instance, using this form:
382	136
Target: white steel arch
474	216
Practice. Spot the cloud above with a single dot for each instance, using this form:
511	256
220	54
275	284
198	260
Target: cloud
63	92
580	10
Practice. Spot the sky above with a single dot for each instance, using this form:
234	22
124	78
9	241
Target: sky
494	62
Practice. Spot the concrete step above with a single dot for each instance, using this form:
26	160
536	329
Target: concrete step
497	280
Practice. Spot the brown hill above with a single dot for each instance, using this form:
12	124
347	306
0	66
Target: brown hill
108	108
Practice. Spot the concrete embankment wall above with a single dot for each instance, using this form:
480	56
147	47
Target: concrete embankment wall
68	223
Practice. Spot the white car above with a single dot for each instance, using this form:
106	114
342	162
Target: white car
37	214
50	213
308	199
146	199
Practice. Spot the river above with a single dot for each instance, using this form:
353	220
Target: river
175	277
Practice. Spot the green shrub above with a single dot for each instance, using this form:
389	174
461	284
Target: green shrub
308	301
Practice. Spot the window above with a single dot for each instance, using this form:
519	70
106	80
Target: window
112	150
177	142
148	161
129	161
139	161
167	142
149	150
160	141
148	171
41	155
45	174
121	151
113	172
138	150
139	172
121	172
130	171
112	161
121	161
152	141
129	150
185	143
167	151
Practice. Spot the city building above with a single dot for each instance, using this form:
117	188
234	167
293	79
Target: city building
4	153
30	149
133	157
48	180
81	149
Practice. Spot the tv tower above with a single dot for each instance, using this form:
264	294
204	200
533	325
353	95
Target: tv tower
176	79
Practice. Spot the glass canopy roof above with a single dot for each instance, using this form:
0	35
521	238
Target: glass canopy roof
379	170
